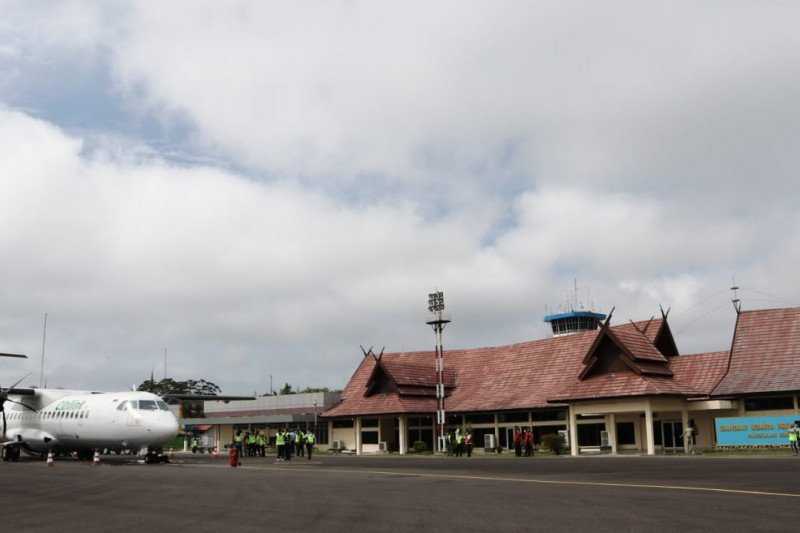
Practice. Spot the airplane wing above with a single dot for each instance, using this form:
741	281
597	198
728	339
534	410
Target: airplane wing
18	356
19	392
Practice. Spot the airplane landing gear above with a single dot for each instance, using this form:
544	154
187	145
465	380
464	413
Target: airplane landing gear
11	453
153	457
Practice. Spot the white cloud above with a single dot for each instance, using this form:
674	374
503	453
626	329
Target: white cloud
377	151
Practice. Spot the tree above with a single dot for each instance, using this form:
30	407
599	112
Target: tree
286	389
171	386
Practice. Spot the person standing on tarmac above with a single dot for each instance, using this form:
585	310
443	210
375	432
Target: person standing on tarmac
238	441
300	443
528	443
289	448
517	442
794	433
468	443
310	441
280	444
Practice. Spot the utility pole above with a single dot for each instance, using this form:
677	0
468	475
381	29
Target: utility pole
436	307
165	363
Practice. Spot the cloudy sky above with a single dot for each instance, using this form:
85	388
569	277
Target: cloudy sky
261	187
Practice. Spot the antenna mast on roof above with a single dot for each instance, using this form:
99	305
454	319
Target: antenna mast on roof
436	307
737	303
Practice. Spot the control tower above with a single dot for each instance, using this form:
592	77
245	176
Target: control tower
574	322
574	317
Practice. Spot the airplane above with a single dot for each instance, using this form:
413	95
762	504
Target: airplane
39	421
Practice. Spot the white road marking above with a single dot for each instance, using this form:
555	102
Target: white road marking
511	479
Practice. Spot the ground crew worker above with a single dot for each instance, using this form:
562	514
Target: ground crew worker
238	441
280	443
262	444
251	444
289	448
195	444
794	432
459	444
517	442
528	443
300	443
310	441
468	443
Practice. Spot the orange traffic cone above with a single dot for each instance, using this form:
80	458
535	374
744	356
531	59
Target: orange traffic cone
50	459
96	460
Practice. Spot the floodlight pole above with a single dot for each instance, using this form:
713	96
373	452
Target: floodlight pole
436	306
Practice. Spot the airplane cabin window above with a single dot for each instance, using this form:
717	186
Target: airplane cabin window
147	405
162	405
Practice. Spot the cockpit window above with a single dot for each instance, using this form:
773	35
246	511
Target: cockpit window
147	405
122	406
162	405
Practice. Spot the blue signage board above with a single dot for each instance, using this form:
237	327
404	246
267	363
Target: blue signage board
754	430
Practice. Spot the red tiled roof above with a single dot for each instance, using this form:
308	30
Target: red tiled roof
692	375
504	377
416	374
765	356
638	343
523	375
700	371
650	328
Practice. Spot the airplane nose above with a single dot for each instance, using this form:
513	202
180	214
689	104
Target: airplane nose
165	428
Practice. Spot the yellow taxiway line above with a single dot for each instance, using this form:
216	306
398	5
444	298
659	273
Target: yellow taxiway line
468	477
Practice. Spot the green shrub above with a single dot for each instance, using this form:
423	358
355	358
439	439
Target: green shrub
419	446
554	442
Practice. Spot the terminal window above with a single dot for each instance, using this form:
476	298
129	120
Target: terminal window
369	437
766	404
625	433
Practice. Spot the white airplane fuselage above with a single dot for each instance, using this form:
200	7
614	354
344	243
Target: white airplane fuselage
82	420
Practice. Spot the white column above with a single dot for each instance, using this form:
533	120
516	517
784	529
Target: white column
685	421
496	432
648	430
573	432
402	430
186	442
611	427
357	427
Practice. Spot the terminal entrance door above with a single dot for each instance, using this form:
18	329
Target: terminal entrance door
672	431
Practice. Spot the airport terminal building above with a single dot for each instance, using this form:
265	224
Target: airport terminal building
621	388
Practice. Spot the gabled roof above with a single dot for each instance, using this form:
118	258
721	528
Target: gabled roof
635	351
765	353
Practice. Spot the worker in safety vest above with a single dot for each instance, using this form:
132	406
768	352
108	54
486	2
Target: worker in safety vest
310	441
262	444
468	443
251	445
280	443
300	442
238	441
794	433
195	444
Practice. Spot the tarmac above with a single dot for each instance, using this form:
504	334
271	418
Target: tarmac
394	494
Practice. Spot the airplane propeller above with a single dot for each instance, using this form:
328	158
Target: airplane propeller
4	398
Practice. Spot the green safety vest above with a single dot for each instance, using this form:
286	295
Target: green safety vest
310	438
237	438
251	439
792	435
280	440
